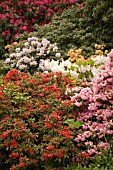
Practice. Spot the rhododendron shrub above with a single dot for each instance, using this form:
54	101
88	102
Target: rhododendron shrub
96	111
17	17
16	138
26	55
32	115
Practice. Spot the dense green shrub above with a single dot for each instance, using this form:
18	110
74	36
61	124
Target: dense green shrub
105	160
79	167
82	27
98	21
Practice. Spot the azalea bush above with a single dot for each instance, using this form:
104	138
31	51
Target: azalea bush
33	111
96	111
16	139
26	55
20	16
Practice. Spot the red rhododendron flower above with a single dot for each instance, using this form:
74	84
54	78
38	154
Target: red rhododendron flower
14	155
11	74
22	165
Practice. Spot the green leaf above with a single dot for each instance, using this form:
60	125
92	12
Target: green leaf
78	124
73	124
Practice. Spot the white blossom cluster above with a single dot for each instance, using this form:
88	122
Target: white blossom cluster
25	57
100	60
54	66
81	72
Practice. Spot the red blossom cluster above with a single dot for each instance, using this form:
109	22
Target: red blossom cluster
32	121
14	155
15	75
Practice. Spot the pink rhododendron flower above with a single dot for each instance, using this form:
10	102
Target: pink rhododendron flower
70	1
3	33
12	21
81	5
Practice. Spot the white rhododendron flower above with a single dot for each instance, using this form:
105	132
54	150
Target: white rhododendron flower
22	67
100	59
33	63
26	44
12	55
17	49
58	55
7	60
26	59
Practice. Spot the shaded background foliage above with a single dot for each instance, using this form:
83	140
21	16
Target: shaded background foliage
82	27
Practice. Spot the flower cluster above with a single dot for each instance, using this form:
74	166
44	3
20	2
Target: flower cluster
81	71
32	129
75	55
26	55
96	110
54	66
100	49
